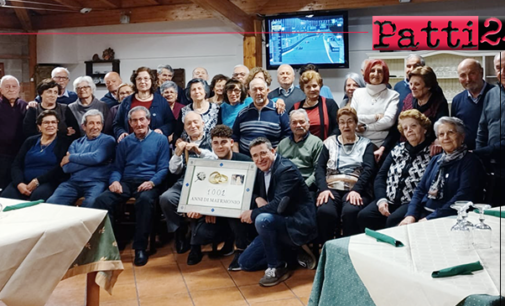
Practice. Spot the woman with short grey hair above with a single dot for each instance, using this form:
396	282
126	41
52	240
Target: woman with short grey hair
169	91
454	175
85	89
352	81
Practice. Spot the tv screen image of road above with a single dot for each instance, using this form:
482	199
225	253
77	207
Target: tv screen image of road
301	40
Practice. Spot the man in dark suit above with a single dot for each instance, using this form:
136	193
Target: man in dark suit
283	213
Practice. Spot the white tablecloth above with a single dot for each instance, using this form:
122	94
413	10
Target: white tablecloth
401	276
37	246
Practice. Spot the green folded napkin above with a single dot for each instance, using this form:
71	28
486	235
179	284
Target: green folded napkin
23	205
495	213
383	238
465	269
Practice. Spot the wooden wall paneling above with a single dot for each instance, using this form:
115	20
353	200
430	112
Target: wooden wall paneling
253	47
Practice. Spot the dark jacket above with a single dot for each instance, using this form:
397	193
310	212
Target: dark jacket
463	182
109	100
491	134
331	108
67	119
161	116
54	176
300	213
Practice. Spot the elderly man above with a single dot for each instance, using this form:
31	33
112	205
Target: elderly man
61	75
197	144
12	113
287	90
240	72
200	73
490	134
467	105
403	88
88	161
284	215
259	119
209	229
112	81
85	89
139	169
302	148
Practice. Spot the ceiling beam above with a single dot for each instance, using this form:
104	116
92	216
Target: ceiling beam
229	13
23	16
111	3
158	13
9	22
282	6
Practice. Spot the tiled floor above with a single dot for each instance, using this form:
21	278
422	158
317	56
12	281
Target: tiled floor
168	280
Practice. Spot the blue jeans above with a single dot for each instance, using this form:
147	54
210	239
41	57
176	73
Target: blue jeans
271	248
70	191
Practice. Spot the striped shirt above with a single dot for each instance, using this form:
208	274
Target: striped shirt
252	123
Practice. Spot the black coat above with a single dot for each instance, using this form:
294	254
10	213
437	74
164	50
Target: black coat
300	214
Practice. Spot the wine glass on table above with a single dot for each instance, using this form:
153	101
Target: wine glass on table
482	233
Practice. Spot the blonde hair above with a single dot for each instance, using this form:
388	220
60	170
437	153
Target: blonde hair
424	121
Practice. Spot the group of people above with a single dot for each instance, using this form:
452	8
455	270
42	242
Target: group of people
378	158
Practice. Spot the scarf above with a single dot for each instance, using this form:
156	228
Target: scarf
374	90
436	191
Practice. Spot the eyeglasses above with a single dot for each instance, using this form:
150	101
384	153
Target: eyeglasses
142	79
236	90
237	74
83	88
54	122
60	78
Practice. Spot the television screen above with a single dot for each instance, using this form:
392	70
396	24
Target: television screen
318	38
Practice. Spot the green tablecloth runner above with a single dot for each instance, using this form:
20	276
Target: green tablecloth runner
100	255
336	282
481	300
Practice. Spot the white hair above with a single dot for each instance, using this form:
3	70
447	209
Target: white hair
57	69
258	79
241	66
91	112
299	111
86	79
456	122
419	57
8	77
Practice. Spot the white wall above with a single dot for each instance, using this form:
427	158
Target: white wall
219	53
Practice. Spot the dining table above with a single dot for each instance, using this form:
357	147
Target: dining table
362	270
41	244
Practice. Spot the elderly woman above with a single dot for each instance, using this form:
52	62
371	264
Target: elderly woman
454	175
36	171
344	174
124	90
352	82
169	91
322	112
400	173
85	89
233	102
426	97
217	87
325	90
48	90
199	93
145	94
375	104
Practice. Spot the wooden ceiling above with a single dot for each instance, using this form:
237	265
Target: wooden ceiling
34	15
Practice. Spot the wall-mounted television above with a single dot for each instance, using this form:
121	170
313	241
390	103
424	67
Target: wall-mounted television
317	37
